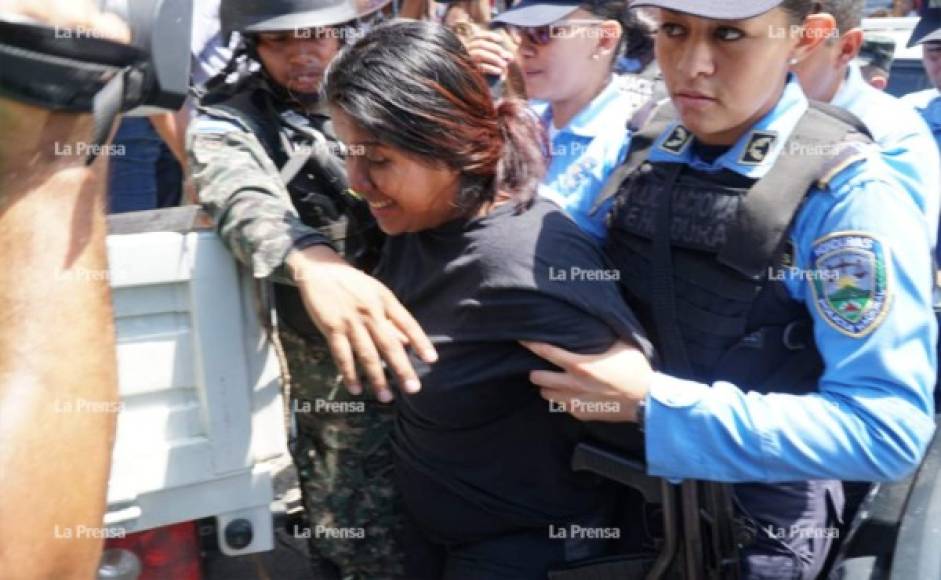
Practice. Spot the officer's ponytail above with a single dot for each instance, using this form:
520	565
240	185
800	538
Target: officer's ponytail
412	86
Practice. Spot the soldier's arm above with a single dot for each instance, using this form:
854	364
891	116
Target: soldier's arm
239	185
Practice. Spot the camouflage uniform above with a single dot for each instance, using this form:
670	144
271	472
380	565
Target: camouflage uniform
345	461
342	453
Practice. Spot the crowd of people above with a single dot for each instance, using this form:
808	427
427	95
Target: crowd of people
505	228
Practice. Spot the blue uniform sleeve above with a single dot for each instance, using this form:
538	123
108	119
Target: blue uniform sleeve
865	274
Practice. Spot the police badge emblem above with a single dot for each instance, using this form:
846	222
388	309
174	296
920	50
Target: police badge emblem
850	282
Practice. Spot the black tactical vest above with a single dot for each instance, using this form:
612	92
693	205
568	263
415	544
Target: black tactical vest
307	153
701	255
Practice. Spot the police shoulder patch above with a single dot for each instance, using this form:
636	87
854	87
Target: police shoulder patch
678	140
850	282
758	147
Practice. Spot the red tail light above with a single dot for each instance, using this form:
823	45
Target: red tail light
167	553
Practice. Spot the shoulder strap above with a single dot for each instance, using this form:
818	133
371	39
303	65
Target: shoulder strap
249	109
646	126
844	116
822	145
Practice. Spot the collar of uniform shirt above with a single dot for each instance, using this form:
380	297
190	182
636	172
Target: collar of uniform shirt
591	120
851	89
780	121
923	99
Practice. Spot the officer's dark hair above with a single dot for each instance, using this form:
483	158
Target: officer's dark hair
636	34
412	85
798	10
640	29
637	29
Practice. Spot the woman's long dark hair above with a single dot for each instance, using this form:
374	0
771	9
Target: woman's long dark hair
637	28
412	86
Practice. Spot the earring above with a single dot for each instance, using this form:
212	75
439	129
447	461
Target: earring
595	56
793	61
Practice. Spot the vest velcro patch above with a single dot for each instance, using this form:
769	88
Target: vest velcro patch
850	282
700	217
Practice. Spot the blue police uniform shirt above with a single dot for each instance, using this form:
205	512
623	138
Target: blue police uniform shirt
585	152
904	139
864	271
928	103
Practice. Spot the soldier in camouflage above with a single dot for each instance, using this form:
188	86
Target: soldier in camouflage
268	168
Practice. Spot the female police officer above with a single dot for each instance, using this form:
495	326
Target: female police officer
786	278
568	51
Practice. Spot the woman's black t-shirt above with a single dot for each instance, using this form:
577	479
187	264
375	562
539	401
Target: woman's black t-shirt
478	451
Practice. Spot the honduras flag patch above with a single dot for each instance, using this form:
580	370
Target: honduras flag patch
850	282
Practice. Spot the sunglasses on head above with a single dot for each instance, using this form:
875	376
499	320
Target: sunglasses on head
543	35
537	35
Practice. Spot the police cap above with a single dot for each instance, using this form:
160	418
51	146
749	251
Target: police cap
929	27
715	9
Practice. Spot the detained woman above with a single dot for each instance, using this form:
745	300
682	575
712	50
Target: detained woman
786	278
480	261
567	51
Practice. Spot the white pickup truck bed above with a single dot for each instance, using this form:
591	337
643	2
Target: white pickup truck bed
199	383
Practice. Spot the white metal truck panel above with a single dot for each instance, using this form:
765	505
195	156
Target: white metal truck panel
199	385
